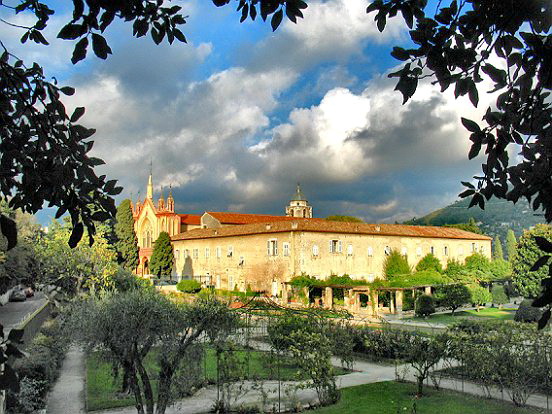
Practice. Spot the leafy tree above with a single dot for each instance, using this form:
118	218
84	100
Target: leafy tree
527	313
526	279
429	262
396	264
454	48
470	226
162	258
453	296
511	244
127	242
90	267
479	296
499	295
188	286
497	251
128	325
349	219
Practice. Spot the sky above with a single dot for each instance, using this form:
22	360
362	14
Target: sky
236	117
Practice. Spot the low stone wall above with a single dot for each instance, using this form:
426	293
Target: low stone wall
34	321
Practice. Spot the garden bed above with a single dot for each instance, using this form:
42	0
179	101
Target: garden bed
483	314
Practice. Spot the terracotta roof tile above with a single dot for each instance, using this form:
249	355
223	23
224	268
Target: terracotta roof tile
323	226
192	219
243	218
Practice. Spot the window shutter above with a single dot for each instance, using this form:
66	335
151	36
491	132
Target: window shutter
268	247
275	247
339	246
331	246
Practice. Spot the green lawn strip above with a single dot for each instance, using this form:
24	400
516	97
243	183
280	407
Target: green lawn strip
485	313
394	397
102	389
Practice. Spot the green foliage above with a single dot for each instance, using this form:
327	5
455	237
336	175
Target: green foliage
381	344
188	286
39	369
83	267
477	261
501	269
349	219
511	244
424	278
453	296
396	264
453	47
425	306
528	282
127	242
470	226
499	295
162	258
127	325
498	254
429	262
124	280
304	281
479	295
527	313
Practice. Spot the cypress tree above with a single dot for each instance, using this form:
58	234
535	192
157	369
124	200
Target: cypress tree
498	254
127	242
162	259
511	244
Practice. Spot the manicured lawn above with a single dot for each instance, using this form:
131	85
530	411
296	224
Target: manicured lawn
484	313
102	389
394	397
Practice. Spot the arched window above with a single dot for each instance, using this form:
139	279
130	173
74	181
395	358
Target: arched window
146	234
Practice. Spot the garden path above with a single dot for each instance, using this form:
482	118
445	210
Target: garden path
67	396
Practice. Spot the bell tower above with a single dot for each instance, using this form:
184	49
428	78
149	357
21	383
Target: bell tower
298	205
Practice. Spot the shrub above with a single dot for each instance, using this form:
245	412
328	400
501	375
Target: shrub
429	262
527	313
382	343
499	295
188	286
425	306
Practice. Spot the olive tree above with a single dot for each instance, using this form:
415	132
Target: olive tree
128	325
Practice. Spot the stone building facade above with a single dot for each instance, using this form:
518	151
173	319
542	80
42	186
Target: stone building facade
236	250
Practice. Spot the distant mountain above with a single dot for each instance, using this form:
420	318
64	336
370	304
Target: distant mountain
496	219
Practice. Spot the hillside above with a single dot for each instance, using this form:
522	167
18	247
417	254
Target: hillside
497	218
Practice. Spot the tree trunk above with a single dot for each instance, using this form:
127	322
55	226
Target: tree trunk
420	383
164	388
137	393
148	393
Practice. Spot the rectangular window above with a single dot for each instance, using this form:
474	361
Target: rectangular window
432	250
387	250
445	250
242	261
349	250
196	253
230	251
230	283
473	248
286	249
219	252
370	251
272	247
186	253
315	250
404	251
176	254
207	252
336	246
418	251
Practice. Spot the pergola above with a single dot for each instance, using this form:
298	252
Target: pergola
352	295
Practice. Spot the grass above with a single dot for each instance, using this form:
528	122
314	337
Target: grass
484	313
394	397
102	389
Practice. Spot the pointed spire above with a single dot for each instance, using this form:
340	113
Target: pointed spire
298	196
150	185
170	200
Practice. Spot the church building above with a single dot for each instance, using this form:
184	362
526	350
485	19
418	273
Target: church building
237	250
